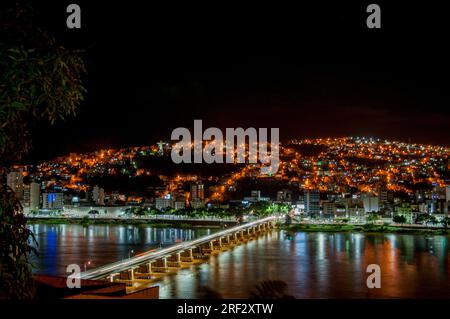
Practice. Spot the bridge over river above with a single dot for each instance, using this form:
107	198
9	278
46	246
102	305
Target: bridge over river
143	269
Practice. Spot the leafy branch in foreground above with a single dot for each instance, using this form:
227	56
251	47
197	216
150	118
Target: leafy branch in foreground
39	79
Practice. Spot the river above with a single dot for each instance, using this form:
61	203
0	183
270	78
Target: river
313	265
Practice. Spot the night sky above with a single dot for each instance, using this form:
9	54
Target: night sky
311	71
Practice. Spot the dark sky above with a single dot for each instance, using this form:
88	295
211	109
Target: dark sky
311	71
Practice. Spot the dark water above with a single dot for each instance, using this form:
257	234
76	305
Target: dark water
314	265
324	265
62	245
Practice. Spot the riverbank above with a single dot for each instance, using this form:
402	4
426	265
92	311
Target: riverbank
367	228
132	222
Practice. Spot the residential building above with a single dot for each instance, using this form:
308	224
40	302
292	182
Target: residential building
163	203
14	181
312	202
98	195
52	200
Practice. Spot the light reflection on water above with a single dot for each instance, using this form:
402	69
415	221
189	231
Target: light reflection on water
323	265
61	245
314	265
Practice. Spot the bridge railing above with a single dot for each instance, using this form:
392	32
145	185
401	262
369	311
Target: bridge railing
119	266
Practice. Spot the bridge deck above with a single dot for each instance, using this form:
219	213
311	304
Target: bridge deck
117	267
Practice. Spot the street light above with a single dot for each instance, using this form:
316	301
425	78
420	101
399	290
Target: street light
130	251
85	264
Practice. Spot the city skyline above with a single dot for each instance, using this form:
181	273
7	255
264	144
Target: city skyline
214	151
353	165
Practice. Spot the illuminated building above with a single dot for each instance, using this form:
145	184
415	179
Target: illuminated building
31	197
14	181
197	203
98	195
179	204
385	195
197	191
284	196
255	194
256	197
52	200
371	203
447	193
164	202
35	195
328	209
312	202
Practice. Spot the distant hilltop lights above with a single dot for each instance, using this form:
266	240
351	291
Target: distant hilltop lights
334	165
212	151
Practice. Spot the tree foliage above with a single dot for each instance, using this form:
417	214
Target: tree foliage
445	221
15	273
39	79
400	219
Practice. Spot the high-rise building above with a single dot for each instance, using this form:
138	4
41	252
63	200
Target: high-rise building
201	191
447	197
26	198
256	197
52	200
31	197
370	203
35	195
312	202
98	195
284	196
385	195
447	193
197	203
193	192
14	181
329	209
179	204
255	194
164	202
197	191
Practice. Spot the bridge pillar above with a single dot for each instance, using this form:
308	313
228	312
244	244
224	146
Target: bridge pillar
178	256
131	271
149	268
111	277
164	261
220	242
211	245
235	237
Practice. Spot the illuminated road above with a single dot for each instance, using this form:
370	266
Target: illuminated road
153	255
